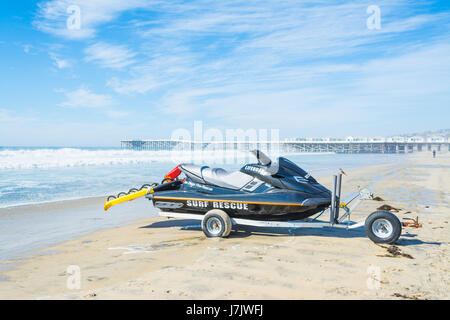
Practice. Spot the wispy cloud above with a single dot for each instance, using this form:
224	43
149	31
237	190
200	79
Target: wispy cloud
281	56
117	114
58	62
9	117
27	47
52	15
286	63
391	93
138	85
156	72
109	56
85	98
246	43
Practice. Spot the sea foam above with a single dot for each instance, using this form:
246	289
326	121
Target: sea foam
77	157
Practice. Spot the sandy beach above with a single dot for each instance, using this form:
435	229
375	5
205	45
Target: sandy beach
160	258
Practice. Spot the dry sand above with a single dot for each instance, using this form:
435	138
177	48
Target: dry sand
156	259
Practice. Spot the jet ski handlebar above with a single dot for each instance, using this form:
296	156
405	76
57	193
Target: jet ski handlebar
262	157
271	167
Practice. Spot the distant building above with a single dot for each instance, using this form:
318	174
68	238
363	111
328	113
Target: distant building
377	140
436	139
416	139
396	139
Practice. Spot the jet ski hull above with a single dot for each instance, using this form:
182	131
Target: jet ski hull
267	206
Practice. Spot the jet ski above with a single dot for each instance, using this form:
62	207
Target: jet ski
266	190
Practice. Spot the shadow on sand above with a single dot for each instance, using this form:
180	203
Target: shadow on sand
247	231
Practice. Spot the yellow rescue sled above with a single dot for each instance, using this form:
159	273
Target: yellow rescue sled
128	197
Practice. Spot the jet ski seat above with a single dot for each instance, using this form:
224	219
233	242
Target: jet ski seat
222	178
192	171
216	176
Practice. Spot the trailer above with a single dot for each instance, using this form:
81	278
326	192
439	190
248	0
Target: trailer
380	226
264	194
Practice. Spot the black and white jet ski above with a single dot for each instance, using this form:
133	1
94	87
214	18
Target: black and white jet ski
265	190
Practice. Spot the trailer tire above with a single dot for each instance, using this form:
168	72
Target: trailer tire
383	227
216	223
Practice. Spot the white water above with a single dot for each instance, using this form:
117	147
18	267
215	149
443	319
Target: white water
76	157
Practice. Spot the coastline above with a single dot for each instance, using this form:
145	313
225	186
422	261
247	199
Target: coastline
151	258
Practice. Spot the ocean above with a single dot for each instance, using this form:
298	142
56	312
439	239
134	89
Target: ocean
40	175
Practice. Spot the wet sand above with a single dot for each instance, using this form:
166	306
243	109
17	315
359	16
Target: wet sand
160	258
23	229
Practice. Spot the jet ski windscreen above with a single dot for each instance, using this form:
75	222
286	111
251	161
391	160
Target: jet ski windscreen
288	168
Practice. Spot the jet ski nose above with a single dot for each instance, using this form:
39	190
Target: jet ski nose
320	190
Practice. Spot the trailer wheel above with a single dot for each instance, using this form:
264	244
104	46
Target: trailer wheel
216	223
383	227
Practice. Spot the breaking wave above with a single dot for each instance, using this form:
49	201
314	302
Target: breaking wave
77	157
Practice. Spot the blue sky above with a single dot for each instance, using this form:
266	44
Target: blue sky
143	68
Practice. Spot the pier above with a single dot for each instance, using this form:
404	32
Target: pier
307	145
